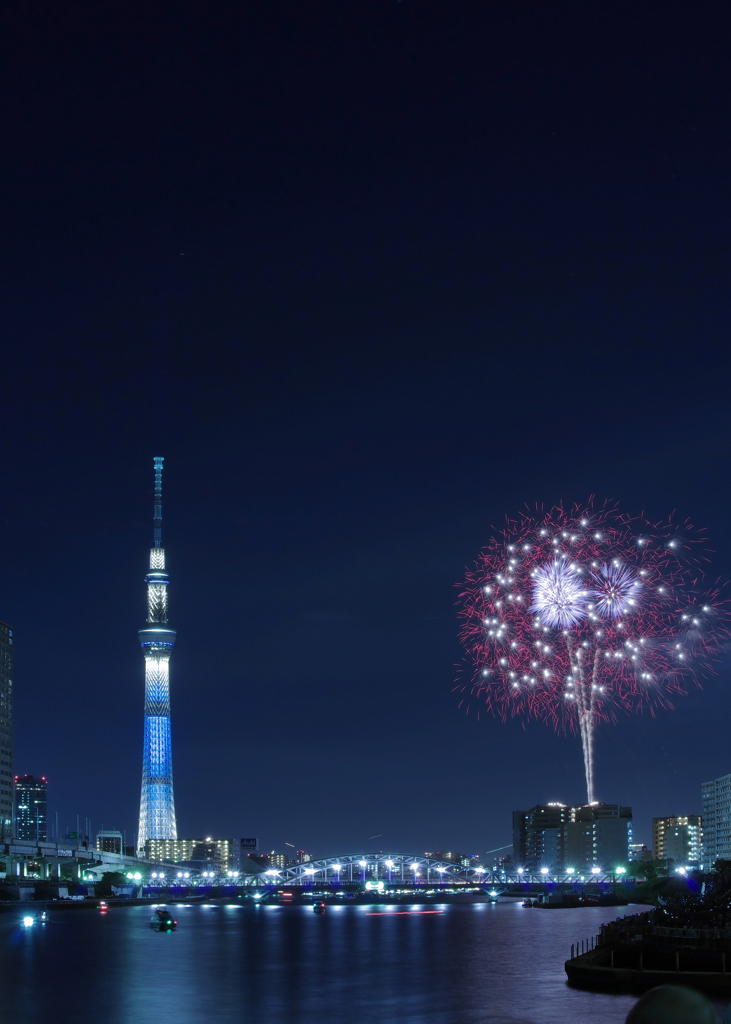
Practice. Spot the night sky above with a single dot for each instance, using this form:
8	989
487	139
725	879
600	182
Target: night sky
369	275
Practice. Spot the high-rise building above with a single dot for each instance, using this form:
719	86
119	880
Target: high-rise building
157	805
31	808
716	820
678	838
6	731
539	837
240	850
599	835
557	837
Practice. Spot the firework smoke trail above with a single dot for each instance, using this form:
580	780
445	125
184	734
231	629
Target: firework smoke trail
572	615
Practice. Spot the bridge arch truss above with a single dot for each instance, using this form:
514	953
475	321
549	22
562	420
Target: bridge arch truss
414	870
360	868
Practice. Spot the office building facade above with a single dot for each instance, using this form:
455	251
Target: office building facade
110	841
6	731
241	848
716	796
639	851
678	838
31	808
557	837
194	852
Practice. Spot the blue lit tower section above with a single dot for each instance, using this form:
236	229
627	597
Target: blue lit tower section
157	805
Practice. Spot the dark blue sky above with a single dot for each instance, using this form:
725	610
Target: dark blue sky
369	275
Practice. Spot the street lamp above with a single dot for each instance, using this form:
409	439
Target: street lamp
596	871
570	871
544	871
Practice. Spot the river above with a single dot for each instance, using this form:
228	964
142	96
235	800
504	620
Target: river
460	964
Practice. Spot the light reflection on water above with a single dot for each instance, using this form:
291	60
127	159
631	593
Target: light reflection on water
471	963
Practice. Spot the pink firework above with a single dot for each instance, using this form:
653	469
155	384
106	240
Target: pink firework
572	615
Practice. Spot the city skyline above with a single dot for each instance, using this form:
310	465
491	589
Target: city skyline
157	605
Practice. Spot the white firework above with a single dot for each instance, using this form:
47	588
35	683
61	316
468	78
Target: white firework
559	595
616	590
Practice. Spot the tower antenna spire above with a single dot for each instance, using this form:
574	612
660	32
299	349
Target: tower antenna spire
157	506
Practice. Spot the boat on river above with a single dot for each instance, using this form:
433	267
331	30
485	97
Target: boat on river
162	920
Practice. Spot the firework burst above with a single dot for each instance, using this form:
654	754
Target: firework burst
573	615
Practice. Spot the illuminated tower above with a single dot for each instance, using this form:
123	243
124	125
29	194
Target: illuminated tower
157	806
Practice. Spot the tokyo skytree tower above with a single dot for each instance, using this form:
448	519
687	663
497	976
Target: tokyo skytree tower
157	806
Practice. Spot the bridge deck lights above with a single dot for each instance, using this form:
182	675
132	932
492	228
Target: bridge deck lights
596	871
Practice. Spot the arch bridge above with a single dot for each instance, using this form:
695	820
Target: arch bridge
360	868
419	869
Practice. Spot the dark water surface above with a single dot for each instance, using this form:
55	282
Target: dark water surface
467	963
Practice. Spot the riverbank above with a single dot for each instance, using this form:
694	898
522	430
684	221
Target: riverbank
635	954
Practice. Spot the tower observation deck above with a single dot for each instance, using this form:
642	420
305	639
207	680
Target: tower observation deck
157	805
